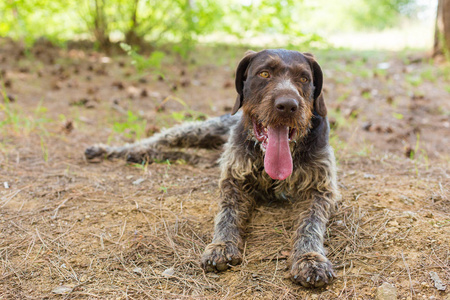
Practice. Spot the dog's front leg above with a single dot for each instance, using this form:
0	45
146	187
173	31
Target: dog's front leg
309	265
235	208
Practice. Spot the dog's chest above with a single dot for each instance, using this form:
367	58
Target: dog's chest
274	189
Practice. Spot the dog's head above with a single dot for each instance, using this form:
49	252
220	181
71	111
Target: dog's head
279	91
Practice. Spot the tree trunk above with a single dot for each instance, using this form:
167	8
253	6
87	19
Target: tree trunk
131	36
442	30
101	32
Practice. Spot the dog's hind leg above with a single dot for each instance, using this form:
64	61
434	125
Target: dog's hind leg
209	134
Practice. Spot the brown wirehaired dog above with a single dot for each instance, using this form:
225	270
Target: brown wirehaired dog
276	148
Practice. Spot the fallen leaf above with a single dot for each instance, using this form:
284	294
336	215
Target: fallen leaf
62	289
437	282
168	272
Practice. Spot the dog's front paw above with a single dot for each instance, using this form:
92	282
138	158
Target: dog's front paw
220	256
312	270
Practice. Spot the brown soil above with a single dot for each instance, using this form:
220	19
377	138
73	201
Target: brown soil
77	230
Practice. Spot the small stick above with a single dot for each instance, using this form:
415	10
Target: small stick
409	275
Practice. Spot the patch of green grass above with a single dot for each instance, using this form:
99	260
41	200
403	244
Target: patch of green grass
380	73
142	166
343	97
366	95
337	144
186	114
413	79
398	116
444	72
339	119
428	74
365	150
15	120
133	127
142	63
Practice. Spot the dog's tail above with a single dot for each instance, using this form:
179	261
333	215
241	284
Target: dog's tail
208	134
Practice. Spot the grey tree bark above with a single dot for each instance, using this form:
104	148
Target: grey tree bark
442	30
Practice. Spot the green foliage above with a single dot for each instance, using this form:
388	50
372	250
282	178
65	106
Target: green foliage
379	14
398	116
14	119
27	20
133	127
142	63
414	79
183	22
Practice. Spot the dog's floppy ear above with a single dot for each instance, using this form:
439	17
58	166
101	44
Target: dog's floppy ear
319	101
241	76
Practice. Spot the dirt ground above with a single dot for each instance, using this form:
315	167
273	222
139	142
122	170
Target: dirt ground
76	230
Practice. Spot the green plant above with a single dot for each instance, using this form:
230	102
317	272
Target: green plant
164	189
428	74
414	80
44	148
142	166
15	120
133	127
142	63
398	116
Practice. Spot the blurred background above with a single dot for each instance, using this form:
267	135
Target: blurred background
355	24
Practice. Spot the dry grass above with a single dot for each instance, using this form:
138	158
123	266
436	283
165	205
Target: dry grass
89	230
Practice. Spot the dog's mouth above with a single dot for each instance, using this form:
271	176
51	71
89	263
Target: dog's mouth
275	141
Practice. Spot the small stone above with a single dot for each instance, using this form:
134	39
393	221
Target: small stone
168	272
437	282
391	230
407	200
137	270
429	215
393	223
369	176
138	181
62	289
386	292
410	215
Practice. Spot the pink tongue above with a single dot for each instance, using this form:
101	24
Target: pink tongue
278	159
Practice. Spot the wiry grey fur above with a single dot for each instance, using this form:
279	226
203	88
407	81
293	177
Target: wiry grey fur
243	181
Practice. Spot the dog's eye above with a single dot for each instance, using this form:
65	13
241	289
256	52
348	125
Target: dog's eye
264	74
303	80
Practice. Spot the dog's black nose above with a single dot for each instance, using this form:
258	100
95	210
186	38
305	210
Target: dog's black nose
286	106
